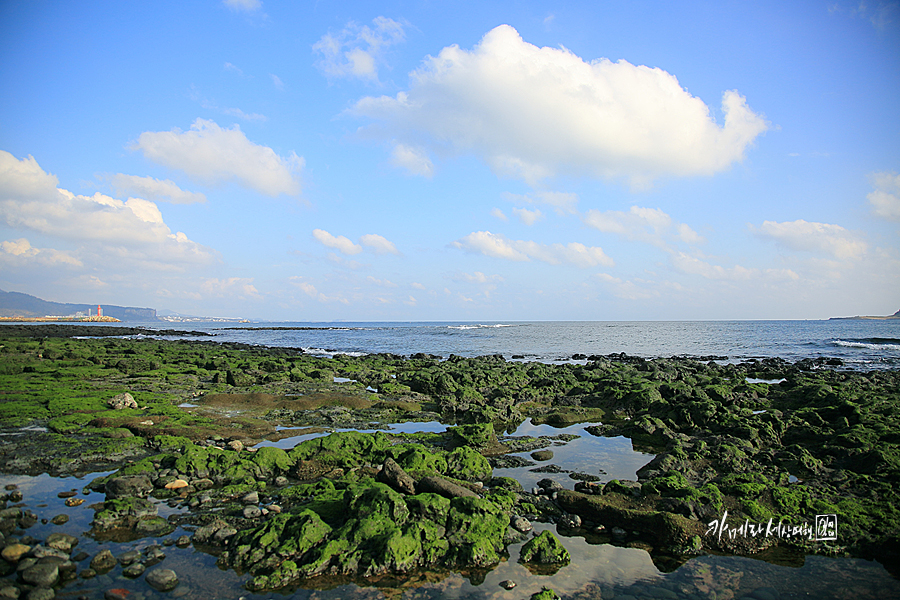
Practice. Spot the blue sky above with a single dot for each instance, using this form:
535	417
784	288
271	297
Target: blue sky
424	161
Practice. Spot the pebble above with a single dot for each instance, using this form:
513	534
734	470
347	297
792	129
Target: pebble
162	580
183	541
133	571
74	501
14	552
252	512
507	584
60	519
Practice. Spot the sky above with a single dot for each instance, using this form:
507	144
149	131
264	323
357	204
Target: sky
411	161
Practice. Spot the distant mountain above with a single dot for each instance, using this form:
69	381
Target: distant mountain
17	304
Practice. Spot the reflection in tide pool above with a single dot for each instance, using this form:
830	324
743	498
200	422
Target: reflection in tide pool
289	442
605	457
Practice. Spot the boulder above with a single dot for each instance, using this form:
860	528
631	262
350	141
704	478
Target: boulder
393	474
128	486
122	401
544	549
439	485
162	580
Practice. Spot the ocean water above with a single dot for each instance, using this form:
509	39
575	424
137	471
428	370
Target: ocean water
861	344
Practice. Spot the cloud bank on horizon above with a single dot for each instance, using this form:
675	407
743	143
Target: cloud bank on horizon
480	163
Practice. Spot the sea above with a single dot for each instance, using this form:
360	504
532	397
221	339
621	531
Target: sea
861	344
598	569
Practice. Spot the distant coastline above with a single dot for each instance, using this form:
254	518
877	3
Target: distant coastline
93	319
896	315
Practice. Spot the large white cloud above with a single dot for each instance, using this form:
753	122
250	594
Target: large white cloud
153	189
497	246
885	200
20	253
128	233
649	225
339	242
212	154
807	236
358	50
534	112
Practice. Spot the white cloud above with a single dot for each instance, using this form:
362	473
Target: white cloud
339	243
528	217
629	290
239	287
562	202
245	5
414	160
693	265
378	244
807	236
496	212
381	282
310	290
234	69
358	50
497	246
236	112
276	81
479	277
885	200
20	253
416	285
120	235
153	189
212	154
535	112
648	225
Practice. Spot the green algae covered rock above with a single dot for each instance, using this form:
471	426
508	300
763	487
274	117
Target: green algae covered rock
468	464
544	549
377	531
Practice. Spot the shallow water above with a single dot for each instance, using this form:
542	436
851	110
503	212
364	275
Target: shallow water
597	570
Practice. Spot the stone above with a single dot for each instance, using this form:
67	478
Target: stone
14	552
162	580
43	574
127	558
116	594
41	593
507	584
439	485
570	521
74	501
236	445
103	561
62	541
522	524
549	485
252	512
542	455
544	549
122	401
128	486
393	474
251	498
281	481
177	484
134	571
9	592
183	541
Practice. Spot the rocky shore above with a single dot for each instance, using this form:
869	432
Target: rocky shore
766	444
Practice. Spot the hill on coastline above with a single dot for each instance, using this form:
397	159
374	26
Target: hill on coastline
17	304
896	315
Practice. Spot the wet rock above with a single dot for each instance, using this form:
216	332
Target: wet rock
127	558
236	445
393	474
128	486
177	484
162	580
522	524
550	469
545	594
62	541
116	594
549	485
183	541
507	584
542	455
544	549
14	552
42	574
122	401
252	512
134	571
9	592
41	593
16	496
153	555
213	533
281	481
103	561
448	489
570	521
